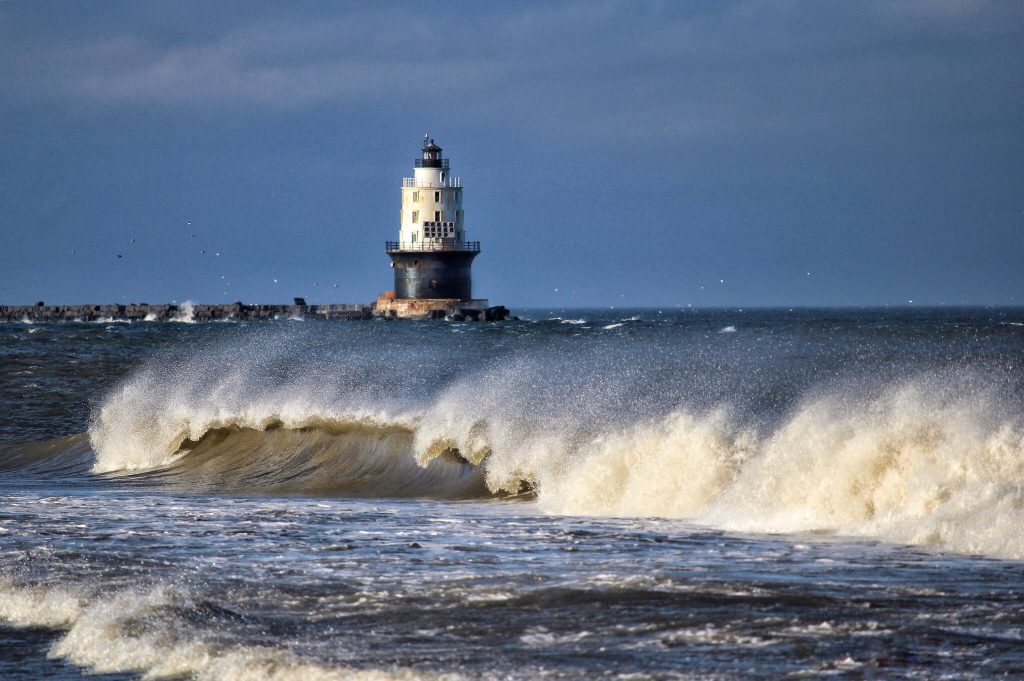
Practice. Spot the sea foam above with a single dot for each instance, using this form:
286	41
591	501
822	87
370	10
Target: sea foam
141	630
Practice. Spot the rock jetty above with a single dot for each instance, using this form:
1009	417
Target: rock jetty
40	313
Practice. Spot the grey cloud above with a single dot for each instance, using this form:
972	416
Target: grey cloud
646	71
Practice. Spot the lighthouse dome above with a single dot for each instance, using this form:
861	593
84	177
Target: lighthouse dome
431	156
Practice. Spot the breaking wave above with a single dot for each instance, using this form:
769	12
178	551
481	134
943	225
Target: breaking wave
906	466
154	632
290	451
933	460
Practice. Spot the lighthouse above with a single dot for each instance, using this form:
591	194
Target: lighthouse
432	257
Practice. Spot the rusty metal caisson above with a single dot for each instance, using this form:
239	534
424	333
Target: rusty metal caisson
433	274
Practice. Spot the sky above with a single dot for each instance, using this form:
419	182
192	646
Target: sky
720	153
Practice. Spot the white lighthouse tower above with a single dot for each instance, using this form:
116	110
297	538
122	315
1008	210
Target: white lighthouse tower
432	258
431	201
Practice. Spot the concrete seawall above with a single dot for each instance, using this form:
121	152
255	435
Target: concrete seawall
196	312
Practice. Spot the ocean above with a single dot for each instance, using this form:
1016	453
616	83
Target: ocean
621	494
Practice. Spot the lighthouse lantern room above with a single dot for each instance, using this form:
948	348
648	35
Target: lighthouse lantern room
432	257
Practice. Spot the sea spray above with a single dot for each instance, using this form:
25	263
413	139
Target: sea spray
920	464
672	468
186	313
38	605
928	459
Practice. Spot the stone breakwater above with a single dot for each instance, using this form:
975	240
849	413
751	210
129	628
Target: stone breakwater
188	312
196	312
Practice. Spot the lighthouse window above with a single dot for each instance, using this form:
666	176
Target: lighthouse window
437	197
437	216
415	216
415	197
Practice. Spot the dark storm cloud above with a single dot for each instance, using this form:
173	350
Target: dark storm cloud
636	72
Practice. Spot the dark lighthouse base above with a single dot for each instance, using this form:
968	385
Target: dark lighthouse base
435	282
434	273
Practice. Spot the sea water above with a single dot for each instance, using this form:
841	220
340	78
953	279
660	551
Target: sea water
634	494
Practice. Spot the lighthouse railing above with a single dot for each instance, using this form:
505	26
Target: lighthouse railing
449	182
426	246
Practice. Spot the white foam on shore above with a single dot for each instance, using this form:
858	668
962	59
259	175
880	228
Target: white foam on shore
138	631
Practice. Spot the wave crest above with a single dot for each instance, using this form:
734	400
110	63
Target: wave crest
224	437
